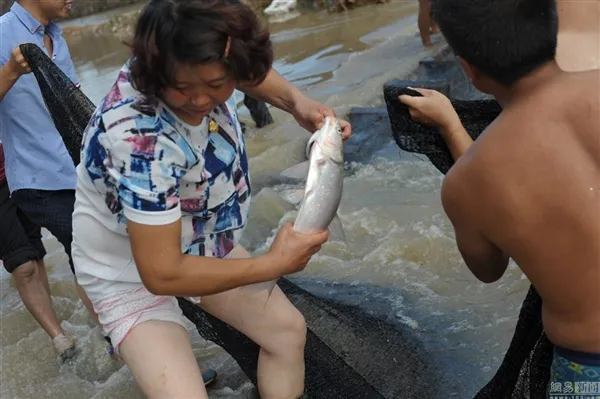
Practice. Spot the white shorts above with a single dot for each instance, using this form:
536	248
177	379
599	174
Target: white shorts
123	306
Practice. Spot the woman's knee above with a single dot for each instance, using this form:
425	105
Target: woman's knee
289	332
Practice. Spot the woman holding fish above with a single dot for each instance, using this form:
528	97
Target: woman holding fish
163	196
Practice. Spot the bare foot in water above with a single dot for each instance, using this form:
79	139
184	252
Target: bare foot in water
64	346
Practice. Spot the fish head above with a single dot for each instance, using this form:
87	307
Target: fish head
329	140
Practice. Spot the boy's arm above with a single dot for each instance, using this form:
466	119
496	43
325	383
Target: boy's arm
435	109
457	139
463	207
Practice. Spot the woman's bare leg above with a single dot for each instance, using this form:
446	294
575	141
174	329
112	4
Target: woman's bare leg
160	357
275	325
86	301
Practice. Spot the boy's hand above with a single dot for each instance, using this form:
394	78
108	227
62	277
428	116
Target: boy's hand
433	109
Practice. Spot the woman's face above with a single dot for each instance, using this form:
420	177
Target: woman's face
198	90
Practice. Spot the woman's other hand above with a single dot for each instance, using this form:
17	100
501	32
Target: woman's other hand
310	114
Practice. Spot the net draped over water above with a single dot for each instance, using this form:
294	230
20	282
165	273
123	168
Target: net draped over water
349	353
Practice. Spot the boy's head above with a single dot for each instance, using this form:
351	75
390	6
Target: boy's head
499	41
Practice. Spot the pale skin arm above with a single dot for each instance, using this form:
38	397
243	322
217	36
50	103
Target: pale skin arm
282	94
485	260
275	90
165	270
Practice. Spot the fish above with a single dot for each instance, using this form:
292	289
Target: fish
324	174
320	199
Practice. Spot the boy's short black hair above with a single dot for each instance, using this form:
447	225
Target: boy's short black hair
504	39
172	32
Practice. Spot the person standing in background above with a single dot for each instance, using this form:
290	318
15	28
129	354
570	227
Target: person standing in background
427	25
39	171
22	253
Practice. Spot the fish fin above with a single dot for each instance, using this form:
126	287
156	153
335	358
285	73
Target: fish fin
336	230
299	171
293	196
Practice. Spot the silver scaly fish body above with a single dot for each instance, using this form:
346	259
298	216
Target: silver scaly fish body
324	174
325	179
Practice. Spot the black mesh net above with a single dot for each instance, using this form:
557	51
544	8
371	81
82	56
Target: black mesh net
525	371
69	107
349	353
414	137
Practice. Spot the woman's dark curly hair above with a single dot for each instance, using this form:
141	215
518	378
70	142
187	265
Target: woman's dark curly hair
172	32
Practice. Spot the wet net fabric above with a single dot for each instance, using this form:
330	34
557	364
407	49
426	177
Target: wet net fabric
349	354
525	370
410	136
69	107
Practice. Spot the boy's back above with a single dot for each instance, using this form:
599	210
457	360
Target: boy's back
532	184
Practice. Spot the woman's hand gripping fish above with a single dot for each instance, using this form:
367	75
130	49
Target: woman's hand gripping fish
324	174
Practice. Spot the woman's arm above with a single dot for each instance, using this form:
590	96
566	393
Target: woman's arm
275	90
166	271
309	114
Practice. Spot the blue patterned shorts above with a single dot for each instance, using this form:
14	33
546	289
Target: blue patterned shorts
574	375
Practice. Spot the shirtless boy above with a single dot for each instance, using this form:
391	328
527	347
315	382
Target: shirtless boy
529	187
